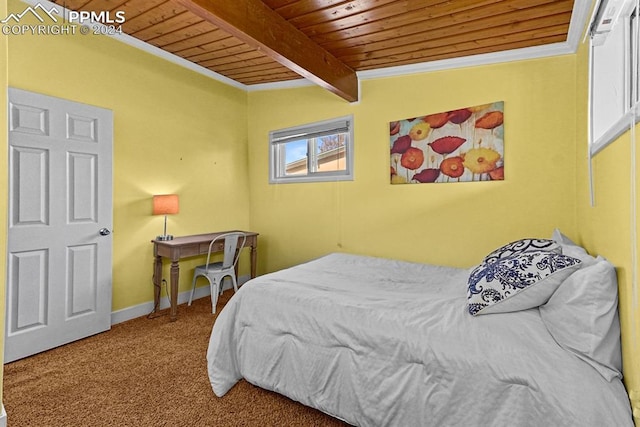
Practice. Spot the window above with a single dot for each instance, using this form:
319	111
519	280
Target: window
613	72
634	63
321	151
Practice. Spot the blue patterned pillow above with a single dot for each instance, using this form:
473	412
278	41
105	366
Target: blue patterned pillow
507	284
523	245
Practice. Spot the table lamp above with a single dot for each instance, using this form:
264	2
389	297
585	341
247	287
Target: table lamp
165	204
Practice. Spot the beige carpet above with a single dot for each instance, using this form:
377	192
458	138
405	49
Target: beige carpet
145	372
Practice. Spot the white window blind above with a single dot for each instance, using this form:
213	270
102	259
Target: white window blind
313	152
312	131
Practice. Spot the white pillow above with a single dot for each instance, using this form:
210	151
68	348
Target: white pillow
507	284
523	245
582	316
570	248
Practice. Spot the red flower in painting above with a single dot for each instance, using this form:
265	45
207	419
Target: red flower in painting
447	144
394	128
491	120
497	174
436	120
459	116
427	175
452	167
401	144
412	158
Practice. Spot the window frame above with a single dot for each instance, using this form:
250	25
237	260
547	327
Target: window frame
629	22
310	132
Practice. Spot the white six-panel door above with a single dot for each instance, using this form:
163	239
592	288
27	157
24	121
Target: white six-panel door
60	216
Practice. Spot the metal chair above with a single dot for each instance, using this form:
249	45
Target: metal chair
215	272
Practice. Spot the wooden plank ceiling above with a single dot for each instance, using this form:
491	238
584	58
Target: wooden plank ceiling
358	35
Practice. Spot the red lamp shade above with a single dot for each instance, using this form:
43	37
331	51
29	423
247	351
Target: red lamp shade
165	204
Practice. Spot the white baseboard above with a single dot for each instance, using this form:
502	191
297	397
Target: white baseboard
3	417
140	310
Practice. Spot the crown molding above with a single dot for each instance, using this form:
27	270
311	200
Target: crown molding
146	47
577	25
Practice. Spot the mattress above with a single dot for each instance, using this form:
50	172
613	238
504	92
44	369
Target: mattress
379	342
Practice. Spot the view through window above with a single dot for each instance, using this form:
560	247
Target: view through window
319	151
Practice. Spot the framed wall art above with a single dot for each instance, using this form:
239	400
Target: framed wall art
462	145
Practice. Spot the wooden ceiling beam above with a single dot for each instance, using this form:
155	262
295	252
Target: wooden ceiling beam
256	24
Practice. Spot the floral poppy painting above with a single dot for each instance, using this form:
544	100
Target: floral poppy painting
461	145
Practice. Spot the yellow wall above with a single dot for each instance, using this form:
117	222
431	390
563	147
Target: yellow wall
174	131
546	179
453	224
605	228
177	131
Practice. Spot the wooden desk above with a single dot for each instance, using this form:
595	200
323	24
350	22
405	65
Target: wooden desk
184	247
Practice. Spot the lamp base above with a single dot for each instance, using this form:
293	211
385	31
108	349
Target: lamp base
164	237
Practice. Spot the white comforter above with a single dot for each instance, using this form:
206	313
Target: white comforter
378	342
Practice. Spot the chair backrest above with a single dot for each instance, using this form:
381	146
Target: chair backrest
233	243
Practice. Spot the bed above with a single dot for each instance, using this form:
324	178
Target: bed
379	342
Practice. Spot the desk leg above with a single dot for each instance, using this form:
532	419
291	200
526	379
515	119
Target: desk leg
254	260
175	274
157	282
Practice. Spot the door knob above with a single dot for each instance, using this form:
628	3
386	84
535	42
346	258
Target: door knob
104	231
